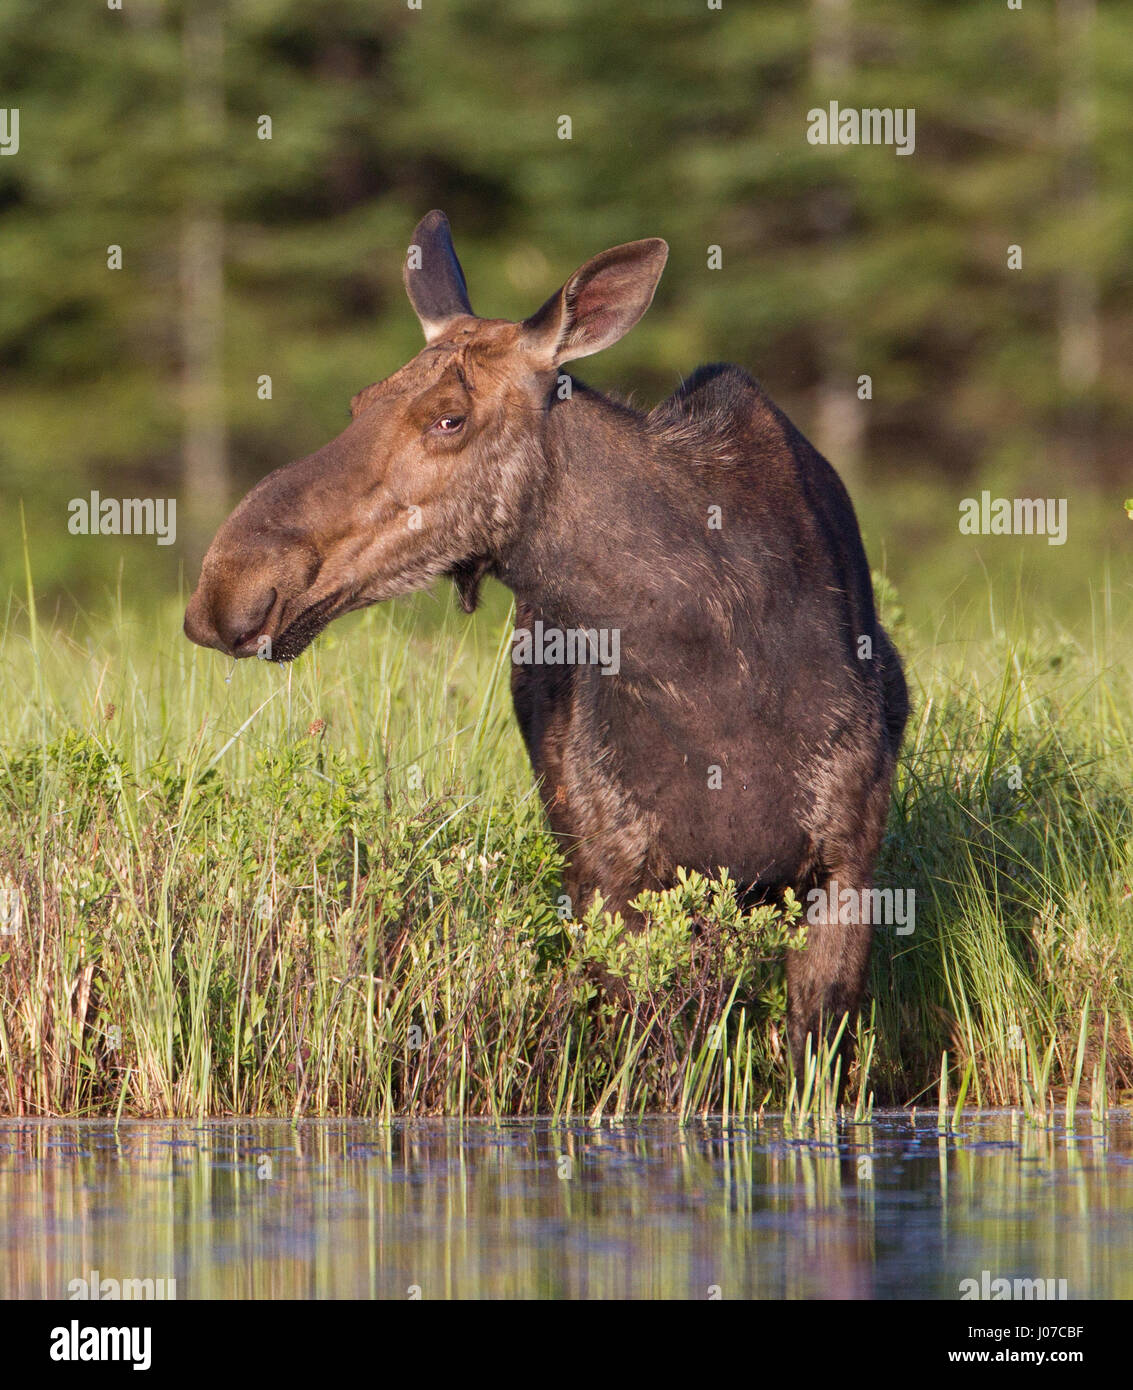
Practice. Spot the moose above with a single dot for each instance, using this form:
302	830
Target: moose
757	707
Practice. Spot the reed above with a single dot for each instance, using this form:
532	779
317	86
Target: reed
328	888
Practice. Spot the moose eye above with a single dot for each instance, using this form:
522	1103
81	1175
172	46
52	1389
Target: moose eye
447	424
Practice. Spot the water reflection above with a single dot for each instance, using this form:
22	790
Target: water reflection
354	1209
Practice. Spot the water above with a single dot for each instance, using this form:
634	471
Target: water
356	1209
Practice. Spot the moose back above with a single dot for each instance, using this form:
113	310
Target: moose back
752	719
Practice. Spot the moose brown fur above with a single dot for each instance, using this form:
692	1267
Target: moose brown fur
754	720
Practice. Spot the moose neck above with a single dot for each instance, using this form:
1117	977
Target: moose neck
593	546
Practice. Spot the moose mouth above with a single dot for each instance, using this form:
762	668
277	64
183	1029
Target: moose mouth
299	635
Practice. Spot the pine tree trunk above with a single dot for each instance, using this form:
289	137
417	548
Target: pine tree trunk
1079	331
839	426
203	448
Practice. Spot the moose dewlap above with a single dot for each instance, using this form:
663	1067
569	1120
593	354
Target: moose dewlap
754	716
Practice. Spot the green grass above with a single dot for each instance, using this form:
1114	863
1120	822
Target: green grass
328	888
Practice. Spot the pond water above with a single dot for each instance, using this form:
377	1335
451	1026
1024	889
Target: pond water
536	1209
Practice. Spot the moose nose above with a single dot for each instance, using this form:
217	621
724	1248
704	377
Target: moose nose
235	629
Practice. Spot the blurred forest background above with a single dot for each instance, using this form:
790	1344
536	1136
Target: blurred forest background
244	257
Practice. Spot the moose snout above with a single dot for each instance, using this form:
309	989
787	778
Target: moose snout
235	625
250	591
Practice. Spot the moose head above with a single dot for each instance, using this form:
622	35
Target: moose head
436	471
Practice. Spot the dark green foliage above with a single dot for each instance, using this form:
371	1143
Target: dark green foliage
688	123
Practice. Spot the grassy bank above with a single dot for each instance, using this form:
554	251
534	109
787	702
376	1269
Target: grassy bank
328	887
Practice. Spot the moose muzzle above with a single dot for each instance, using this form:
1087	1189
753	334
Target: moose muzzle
253	598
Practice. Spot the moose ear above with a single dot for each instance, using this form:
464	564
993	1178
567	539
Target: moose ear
599	304
434	280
